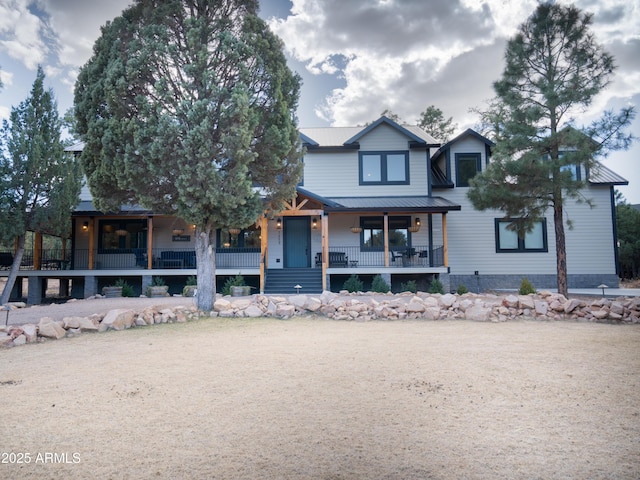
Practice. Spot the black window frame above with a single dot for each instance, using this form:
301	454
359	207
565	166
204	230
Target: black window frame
125	245
461	182
399	222
383	168
220	248
522	248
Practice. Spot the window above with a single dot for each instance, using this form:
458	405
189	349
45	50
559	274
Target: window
247	239
117	235
384	168
467	166
372	236
513	241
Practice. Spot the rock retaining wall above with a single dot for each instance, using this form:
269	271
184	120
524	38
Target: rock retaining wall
345	306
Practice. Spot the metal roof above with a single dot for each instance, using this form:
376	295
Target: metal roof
388	204
601	175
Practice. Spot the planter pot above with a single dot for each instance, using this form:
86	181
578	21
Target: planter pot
112	292
189	291
242	291
158	291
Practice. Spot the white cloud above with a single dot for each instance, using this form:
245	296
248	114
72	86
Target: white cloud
20	31
6	78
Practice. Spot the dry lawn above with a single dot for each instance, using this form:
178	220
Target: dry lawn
312	398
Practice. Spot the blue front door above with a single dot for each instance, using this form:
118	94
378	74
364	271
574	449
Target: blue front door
297	242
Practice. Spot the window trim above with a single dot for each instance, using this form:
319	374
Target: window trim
383	167
458	158
220	248
521	245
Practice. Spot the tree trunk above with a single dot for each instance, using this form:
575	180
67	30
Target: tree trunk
561	249
206	267
13	274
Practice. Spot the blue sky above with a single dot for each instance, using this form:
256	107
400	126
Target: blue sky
356	58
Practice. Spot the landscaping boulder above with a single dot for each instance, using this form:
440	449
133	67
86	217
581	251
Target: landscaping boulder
48	328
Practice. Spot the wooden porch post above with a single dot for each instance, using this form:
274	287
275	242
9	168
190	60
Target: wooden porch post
92	243
37	251
325	249
445	245
264	243
150	243
386	239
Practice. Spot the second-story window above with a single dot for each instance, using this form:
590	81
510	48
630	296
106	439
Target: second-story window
384	168
467	166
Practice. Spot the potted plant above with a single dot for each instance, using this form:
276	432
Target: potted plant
112	291
190	287
157	288
236	287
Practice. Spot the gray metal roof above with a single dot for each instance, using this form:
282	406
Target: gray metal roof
388	204
601	175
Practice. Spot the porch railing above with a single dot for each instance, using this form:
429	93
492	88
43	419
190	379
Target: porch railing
415	256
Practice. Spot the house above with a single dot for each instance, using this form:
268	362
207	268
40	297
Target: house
381	199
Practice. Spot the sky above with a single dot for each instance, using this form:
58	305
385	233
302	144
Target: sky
356	58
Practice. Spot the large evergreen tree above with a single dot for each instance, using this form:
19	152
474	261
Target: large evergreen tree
553	70
39	183
433	122
186	107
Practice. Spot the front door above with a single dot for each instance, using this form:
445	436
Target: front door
297	242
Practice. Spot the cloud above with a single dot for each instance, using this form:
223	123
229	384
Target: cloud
21	34
407	54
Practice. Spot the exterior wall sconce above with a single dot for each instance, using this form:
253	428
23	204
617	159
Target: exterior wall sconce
85	226
314	223
416	226
177	231
279	224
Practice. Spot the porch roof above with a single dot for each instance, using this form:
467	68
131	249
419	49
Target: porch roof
414	203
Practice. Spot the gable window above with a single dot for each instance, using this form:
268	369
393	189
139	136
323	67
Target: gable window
467	166
372	236
384	168
513	241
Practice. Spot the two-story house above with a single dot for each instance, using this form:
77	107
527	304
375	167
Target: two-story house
382	199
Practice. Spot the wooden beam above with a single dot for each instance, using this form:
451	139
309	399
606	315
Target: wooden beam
445	244
92	243
325	249
264	250
386	239
301	213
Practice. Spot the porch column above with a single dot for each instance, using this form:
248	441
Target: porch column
92	244
325	249
149	243
264	250
386	239
445	246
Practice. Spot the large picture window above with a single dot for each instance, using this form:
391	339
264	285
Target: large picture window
248	238
372	236
513	241
384	168
117	235
467	166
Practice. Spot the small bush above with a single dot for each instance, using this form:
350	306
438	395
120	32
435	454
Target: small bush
192	281
127	290
436	286
379	285
353	284
526	288
462	290
158	282
237	281
410	286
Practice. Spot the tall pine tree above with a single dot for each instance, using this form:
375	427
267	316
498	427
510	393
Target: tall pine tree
39	183
553	69
186	107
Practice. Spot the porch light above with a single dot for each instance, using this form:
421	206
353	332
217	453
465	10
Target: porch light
234	231
279	224
314	223
177	231
85	226
416	226
355	228
121	232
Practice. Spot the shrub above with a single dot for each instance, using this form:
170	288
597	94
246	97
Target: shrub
410	286
237	281
127	290
353	284
379	285
157	282
462	290
192	281
436	286
526	288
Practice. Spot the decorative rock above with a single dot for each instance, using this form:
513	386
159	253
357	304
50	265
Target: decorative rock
478	313
118	319
253	311
19	340
285	311
298	300
541	307
571	305
222	304
71	322
510	301
600	314
525	302
617	308
30	331
50	329
5	339
313	304
415	307
447	300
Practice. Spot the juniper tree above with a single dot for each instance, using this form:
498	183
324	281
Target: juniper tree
186	107
553	69
39	183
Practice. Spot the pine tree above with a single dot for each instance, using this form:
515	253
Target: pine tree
554	68
433	122
39	183
185	107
